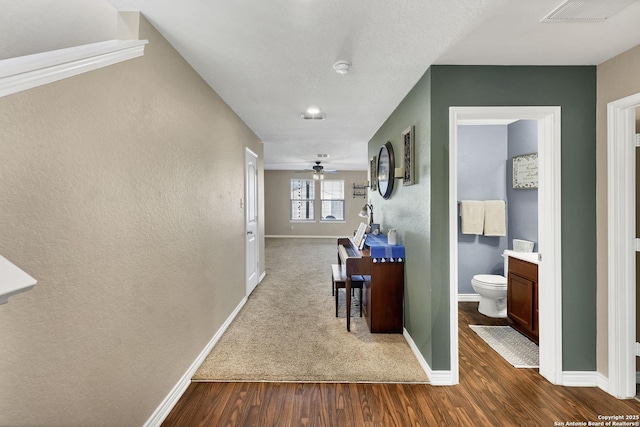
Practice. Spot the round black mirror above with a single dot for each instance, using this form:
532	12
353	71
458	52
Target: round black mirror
386	166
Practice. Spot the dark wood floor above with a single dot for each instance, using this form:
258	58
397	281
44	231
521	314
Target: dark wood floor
491	393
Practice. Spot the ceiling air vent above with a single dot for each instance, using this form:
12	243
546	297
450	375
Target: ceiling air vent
586	10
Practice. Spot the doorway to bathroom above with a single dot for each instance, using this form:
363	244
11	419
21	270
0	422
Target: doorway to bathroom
547	123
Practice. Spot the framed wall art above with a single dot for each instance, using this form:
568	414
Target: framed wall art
525	171
409	156
373	173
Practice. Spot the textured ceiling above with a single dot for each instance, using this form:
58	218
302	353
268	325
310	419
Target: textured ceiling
270	60
514	36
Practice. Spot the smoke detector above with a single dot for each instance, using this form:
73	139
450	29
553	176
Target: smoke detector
342	66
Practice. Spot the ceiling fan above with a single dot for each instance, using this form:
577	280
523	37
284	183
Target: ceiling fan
318	170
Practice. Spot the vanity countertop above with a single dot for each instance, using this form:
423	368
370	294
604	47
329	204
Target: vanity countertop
531	257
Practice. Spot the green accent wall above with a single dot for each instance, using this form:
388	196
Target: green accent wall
408	210
420	212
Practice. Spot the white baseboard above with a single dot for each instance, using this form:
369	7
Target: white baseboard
603	382
288	236
416	352
468	298
161	412
435	377
262	276
441	378
580	378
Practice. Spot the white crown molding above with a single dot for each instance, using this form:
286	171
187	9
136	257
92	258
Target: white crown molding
26	72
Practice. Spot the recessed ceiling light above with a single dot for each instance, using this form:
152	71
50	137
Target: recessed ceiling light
342	66
313	113
307	116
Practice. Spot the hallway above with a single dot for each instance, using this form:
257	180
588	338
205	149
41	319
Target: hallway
288	330
491	393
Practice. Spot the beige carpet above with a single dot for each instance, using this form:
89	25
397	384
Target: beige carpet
287	330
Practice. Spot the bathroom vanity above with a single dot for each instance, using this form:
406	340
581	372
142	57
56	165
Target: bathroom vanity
522	291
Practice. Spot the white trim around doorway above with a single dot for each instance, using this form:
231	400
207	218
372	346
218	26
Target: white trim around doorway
549	228
621	229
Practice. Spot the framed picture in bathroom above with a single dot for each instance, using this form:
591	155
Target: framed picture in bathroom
525	171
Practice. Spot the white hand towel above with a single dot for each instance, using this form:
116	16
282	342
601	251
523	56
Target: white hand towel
494	218
472	213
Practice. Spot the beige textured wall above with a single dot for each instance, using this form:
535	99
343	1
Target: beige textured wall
121	195
617	78
277	202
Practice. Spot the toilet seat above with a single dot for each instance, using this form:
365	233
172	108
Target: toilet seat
490	280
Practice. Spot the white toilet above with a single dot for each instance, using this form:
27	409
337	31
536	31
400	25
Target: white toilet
493	294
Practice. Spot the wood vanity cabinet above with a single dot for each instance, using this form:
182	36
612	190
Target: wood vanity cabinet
522	297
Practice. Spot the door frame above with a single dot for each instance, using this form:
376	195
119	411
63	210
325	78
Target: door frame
250	286
549	226
621	247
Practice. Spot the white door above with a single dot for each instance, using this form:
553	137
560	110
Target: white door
251	218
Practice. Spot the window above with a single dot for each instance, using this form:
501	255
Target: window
302	199
332	199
